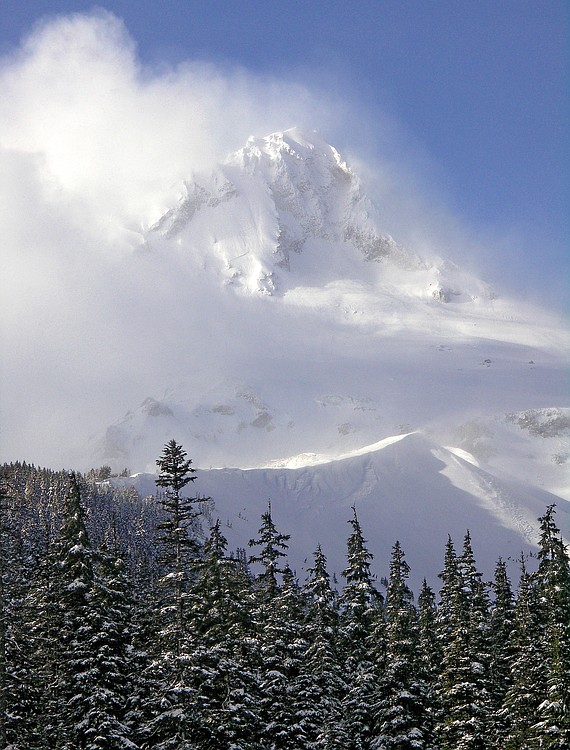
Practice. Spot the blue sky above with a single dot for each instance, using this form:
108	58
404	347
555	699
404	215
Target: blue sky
474	95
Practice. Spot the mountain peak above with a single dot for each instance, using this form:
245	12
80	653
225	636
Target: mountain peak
303	158
293	141
285	210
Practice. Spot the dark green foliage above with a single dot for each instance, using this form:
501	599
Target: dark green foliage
273	548
401	707
361	634
324	685
501	628
282	645
121	628
174	714
360	601
18	690
176	540
527	675
463	683
90	671
429	657
553	584
219	670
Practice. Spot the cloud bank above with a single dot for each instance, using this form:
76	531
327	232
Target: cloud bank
94	147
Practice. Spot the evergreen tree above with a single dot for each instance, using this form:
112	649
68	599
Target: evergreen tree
553	582
243	704
527	683
111	710
19	690
463	689
45	636
174	717
92	674
324	687
361	612
282	648
429	656
273	549
179	547
270	639
73	589
501	626
224	687
400	710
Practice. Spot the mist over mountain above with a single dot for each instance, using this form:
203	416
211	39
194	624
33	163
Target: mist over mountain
299	326
284	463
338	366
267	320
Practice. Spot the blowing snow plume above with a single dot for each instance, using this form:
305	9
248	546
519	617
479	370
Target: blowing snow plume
94	150
167	274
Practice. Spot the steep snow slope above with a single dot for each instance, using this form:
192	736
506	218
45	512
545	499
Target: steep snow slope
283	209
405	488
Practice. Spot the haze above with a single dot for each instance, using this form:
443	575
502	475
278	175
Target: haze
95	146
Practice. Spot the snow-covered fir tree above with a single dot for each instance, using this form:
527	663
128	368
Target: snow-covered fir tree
501	627
400	711
324	685
88	655
223	685
463	683
527	679
282	648
273	550
173	707
361	610
553	584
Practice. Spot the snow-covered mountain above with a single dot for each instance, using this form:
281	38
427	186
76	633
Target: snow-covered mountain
301	328
405	488
286	212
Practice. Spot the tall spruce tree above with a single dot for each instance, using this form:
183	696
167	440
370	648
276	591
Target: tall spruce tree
553	583
113	708
463	689
92	677
527	680
20	691
177	541
224	688
324	686
174	711
400	706
269	640
45	634
360	614
501	626
74	582
282	647
429	656
273	551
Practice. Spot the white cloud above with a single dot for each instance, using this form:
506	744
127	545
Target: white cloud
93	149
123	135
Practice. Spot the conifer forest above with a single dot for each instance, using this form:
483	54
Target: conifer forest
126	622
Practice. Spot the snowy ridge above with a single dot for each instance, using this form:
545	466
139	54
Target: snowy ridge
405	488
